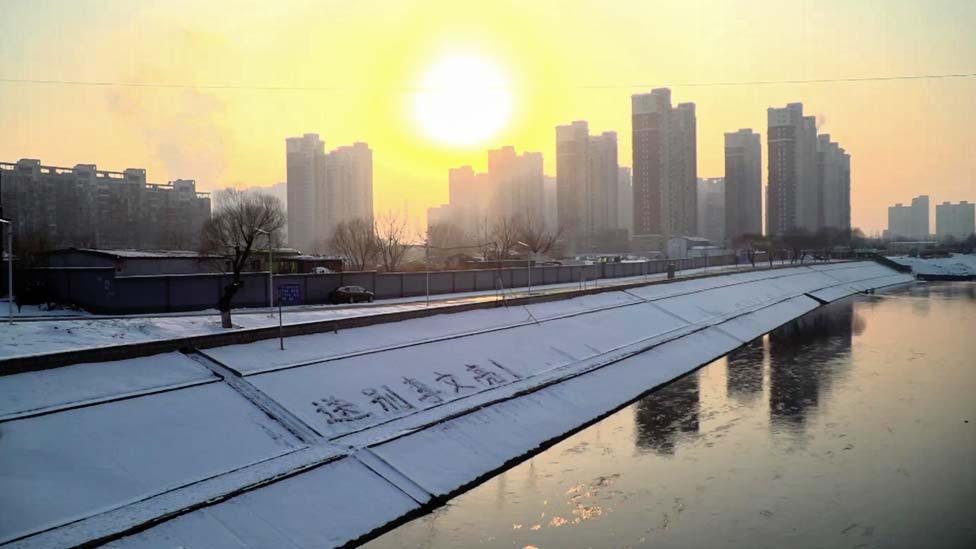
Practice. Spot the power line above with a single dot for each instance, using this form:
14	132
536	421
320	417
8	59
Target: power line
274	87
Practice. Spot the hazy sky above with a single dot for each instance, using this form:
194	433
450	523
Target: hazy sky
559	61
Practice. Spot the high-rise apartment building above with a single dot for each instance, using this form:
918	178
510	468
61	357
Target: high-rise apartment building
809	175
550	197
793	195
834	180
512	188
587	174
743	184
86	207
909	222
957	221
664	165
711	209
325	189
625	200
517	184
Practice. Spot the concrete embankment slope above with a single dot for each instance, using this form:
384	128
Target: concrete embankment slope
345	433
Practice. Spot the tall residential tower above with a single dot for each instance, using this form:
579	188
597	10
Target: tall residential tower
664	165
325	189
743	184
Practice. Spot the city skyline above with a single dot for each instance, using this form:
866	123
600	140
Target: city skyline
231	137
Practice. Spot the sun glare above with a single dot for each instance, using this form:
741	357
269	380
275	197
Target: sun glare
464	100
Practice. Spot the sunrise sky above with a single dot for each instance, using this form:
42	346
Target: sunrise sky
361	65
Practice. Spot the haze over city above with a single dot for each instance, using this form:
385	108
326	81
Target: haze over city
212	96
499	273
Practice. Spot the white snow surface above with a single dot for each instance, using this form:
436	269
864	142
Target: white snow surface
65	334
419	408
956	264
36	392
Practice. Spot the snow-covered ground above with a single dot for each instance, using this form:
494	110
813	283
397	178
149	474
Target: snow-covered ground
364	425
955	265
36	336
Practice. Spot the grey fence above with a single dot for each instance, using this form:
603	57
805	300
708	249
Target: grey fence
100	290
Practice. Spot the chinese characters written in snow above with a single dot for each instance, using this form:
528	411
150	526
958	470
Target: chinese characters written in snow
385	400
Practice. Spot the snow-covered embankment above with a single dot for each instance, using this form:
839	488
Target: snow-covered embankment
340	434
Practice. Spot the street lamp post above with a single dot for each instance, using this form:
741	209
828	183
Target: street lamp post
528	264
270	271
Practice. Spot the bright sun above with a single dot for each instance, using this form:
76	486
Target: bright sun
464	100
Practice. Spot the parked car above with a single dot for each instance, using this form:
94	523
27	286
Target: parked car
350	294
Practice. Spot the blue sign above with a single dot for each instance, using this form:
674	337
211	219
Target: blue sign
290	294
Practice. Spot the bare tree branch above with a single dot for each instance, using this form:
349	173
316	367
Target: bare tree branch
391	234
357	242
237	222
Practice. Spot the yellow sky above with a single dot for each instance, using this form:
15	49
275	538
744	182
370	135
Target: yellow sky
564	60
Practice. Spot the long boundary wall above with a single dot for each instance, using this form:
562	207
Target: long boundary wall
100	290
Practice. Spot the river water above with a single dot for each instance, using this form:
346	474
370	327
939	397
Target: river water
854	426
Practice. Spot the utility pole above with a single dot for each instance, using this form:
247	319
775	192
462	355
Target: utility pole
427	269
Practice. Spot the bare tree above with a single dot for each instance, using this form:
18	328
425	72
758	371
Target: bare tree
391	236
533	232
239	220
356	241
505	235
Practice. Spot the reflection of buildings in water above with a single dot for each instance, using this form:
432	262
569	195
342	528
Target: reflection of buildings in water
804	357
663	416
744	371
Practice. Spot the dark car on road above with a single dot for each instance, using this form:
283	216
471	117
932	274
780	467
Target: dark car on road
350	294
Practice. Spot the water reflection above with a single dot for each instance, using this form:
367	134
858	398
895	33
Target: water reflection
804	356
745	365
664	417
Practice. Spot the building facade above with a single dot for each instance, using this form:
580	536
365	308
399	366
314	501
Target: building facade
587	174
957	221
793	196
711	209
58	207
664	165
512	188
625	200
834	180
809	177
325	189
517	182
743	185
909	222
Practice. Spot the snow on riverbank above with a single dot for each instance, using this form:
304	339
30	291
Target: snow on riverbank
955	265
57	334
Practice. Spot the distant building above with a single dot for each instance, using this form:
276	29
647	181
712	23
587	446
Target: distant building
809	175
625	200
513	187
793	195
834	180
955	220
325	189
711	208
277	190
550	209
743	184
909	222
84	206
665	165
516	184
587	174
